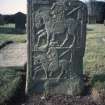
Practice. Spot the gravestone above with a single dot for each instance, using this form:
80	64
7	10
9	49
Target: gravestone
20	21
104	22
56	45
1	20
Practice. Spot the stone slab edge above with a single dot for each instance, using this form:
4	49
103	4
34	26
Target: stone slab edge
3	44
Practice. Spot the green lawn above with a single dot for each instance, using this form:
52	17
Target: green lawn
94	60
13	37
9	82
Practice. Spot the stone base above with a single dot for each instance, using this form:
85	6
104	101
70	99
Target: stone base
68	87
73	86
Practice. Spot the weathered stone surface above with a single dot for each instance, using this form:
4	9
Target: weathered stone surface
57	35
13	56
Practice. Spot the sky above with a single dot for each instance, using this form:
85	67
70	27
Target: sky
14	6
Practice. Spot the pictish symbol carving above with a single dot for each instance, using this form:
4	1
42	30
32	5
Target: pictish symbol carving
49	26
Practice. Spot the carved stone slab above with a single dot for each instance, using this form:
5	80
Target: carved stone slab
56	35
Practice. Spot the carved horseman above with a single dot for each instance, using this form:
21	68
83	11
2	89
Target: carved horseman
58	26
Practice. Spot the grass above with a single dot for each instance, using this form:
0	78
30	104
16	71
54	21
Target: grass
10	79
13	37
8	25
21	38
94	60
9	82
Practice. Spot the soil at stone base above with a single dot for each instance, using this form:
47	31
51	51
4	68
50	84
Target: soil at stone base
56	100
84	99
37	99
61	100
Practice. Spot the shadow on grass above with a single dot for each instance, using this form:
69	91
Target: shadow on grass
98	78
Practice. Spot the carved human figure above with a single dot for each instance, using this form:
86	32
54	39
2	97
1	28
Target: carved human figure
49	28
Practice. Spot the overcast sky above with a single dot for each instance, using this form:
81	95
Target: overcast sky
13	6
